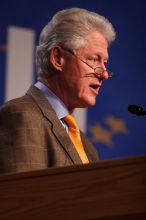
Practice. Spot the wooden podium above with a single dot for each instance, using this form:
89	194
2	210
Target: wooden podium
107	190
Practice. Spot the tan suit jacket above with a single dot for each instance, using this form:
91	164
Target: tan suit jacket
32	137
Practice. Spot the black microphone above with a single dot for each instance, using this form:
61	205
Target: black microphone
137	110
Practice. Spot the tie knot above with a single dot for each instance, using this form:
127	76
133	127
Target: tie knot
70	120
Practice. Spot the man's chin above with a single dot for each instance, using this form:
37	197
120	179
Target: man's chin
89	103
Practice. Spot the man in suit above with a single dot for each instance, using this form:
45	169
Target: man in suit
71	63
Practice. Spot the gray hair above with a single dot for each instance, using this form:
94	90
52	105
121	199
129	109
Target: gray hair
69	29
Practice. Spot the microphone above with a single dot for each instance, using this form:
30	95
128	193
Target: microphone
137	110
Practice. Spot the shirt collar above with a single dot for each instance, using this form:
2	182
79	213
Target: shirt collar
56	103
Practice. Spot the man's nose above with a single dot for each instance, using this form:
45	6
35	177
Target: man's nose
105	75
105	72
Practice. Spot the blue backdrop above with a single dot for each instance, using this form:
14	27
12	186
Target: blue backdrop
113	130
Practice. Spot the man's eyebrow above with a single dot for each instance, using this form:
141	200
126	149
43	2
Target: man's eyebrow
99	55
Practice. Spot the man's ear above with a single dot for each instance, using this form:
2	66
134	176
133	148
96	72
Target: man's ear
56	57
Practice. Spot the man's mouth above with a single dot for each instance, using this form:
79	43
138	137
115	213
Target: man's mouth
94	88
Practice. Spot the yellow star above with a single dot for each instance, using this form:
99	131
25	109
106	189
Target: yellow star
117	125
101	135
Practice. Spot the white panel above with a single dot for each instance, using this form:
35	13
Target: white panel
20	48
81	118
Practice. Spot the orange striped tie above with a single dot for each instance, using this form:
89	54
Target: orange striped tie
74	134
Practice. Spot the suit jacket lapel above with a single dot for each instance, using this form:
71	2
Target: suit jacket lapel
57	128
89	149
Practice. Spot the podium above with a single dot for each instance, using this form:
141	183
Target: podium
107	190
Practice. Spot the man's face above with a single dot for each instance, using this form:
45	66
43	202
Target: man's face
80	84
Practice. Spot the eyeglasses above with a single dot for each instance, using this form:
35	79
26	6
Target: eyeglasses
98	71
